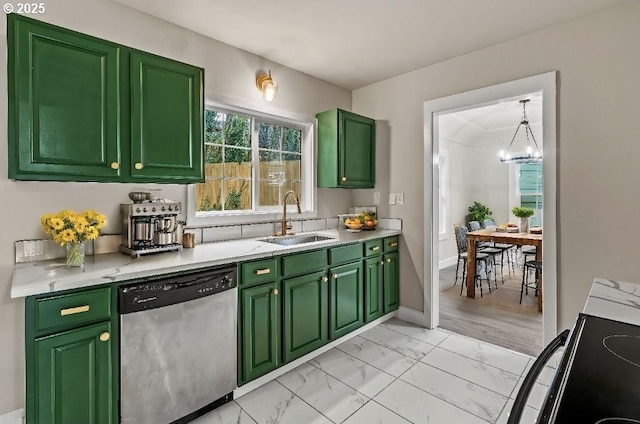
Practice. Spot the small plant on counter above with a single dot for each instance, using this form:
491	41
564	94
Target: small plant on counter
67	226
522	212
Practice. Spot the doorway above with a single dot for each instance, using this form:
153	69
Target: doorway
544	83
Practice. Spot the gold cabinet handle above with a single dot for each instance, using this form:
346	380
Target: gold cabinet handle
382	263
325	279
344	178
115	165
76	310
138	165
263	271
104	336
389	260
374	248
335	276
394	244
275	292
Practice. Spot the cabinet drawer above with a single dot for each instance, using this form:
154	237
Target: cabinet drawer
372	247
391	244
68	309
303	263
344	254
257	272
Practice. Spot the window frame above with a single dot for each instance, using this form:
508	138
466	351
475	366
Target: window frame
443	215
308	194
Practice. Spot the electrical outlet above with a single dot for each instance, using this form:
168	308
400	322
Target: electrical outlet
392	198
400	198
376	197
39	249
29	248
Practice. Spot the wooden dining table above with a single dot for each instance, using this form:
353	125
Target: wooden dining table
499	237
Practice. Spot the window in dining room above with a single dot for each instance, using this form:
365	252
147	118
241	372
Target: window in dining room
530	189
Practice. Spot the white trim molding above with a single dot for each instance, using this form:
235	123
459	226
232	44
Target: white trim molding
411	315
545	83
13	417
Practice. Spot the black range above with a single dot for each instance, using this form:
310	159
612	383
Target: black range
598	378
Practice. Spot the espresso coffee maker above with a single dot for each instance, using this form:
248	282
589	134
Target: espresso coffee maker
150	226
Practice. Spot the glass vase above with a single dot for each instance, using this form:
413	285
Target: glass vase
75	254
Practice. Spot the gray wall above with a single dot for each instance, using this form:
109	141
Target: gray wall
229	76
597	59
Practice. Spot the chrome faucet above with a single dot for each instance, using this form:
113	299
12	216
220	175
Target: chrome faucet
286	227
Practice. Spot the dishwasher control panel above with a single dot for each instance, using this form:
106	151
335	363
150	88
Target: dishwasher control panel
174	289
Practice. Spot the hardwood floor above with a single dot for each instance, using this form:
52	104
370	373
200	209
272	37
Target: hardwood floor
500	321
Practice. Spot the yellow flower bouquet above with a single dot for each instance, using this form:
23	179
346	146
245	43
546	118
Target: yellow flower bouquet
73	229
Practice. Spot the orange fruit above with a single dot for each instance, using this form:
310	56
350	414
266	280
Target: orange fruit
371	223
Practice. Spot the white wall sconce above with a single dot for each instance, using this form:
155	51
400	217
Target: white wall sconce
267	86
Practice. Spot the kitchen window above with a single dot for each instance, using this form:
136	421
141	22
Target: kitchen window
251	160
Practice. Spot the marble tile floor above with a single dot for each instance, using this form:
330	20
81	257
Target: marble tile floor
394	373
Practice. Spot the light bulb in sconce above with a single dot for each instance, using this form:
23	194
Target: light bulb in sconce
529	150
536	154
267	86
501	154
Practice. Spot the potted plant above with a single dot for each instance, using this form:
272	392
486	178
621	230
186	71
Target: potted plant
478	212
523	214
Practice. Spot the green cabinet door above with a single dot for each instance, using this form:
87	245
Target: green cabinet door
73	380
305	314
259	331
63	94
167	110
391	282
346	150
346	299
373	291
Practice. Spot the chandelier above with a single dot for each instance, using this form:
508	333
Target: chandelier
531	155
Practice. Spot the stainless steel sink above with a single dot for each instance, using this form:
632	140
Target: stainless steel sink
293	240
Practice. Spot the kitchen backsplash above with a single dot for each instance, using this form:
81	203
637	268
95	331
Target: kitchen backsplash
110	243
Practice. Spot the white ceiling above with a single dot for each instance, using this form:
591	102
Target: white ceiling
353	43
471	126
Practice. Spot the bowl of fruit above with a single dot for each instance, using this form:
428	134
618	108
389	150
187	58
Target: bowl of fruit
362	221
353	224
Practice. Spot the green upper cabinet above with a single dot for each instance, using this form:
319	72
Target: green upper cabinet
85	109
166	119
346	150
64	91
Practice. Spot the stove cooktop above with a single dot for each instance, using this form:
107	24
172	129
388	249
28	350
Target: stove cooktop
600	383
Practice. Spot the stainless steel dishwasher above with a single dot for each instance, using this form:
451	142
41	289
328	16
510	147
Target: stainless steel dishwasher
178	341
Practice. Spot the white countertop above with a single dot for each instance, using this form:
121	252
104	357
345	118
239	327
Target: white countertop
614	300
50	276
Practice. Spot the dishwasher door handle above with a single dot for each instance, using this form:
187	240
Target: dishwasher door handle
532	376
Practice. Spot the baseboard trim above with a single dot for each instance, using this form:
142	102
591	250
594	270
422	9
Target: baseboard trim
445	263
411	315
252	385
13	417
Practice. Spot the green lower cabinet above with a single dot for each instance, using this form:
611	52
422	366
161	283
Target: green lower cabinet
260	332
74	377
305	314
373	291
346	295
391	282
